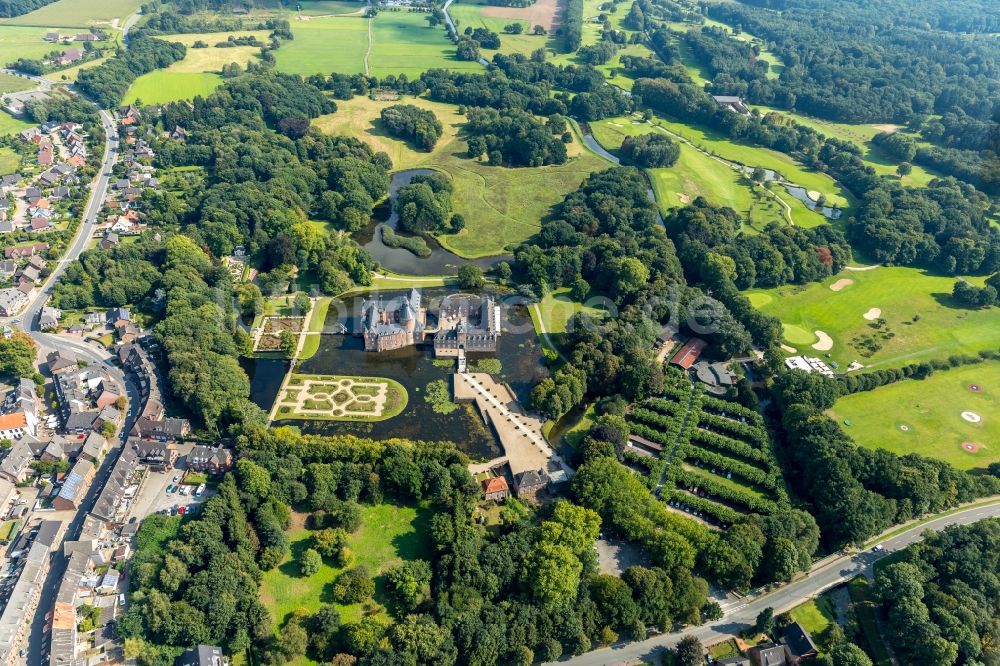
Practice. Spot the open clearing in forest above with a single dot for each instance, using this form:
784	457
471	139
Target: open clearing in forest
478	16
918	318
77	13
926	416
501	206
198	72
388	535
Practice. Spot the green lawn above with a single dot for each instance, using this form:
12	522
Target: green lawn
388	535
325	45
815	615
9	161
754	156
930	411
502	206
10	83
11	125
861	136
404	43
162	86
328	7
25	42
77	13
698	175
921	320
464	14
557	308
197	73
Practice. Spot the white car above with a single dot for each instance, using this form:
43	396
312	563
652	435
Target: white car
878	548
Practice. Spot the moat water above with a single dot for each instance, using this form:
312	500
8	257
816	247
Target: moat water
398	260
414	367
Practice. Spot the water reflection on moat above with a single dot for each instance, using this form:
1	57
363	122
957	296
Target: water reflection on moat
519	353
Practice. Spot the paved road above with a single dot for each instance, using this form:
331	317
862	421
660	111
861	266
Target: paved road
739	615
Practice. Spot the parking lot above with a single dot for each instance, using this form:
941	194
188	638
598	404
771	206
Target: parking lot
153	496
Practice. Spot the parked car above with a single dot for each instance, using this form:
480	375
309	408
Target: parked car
181	510
171	488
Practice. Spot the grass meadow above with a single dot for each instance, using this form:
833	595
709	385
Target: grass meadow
502	206
25	42
926	416
405	43
698	175
474	16
9	161
716	143
77	13
324	45
388	535
861	135
11	125
10	83
921	320
197	73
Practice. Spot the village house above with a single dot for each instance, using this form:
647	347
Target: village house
161	455
12	301
74	487
49	318
496	489
61	361
528	484
210	460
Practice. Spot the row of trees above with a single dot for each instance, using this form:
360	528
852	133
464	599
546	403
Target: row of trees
107	83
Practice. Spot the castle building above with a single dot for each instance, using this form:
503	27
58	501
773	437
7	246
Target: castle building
467	322
393	325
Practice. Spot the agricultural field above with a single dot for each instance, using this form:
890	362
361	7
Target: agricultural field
721	463
699	175
388	535
502	206
324	45
197	73
10	83
336	398
78	13
885	317
329	7
953	415
476	16
405	43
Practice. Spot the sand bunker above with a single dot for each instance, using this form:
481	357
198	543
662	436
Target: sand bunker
825	341
873	314
683	198
813	195
790	350
841	283
887	127
972	417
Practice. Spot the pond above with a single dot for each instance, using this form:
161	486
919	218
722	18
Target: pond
399	260
800	193
415	368
266	375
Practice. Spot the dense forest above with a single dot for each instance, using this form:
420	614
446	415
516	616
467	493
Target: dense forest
921	54
940	597
11	8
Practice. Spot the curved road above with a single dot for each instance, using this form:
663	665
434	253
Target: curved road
825	575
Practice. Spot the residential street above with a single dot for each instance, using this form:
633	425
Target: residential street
824	576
